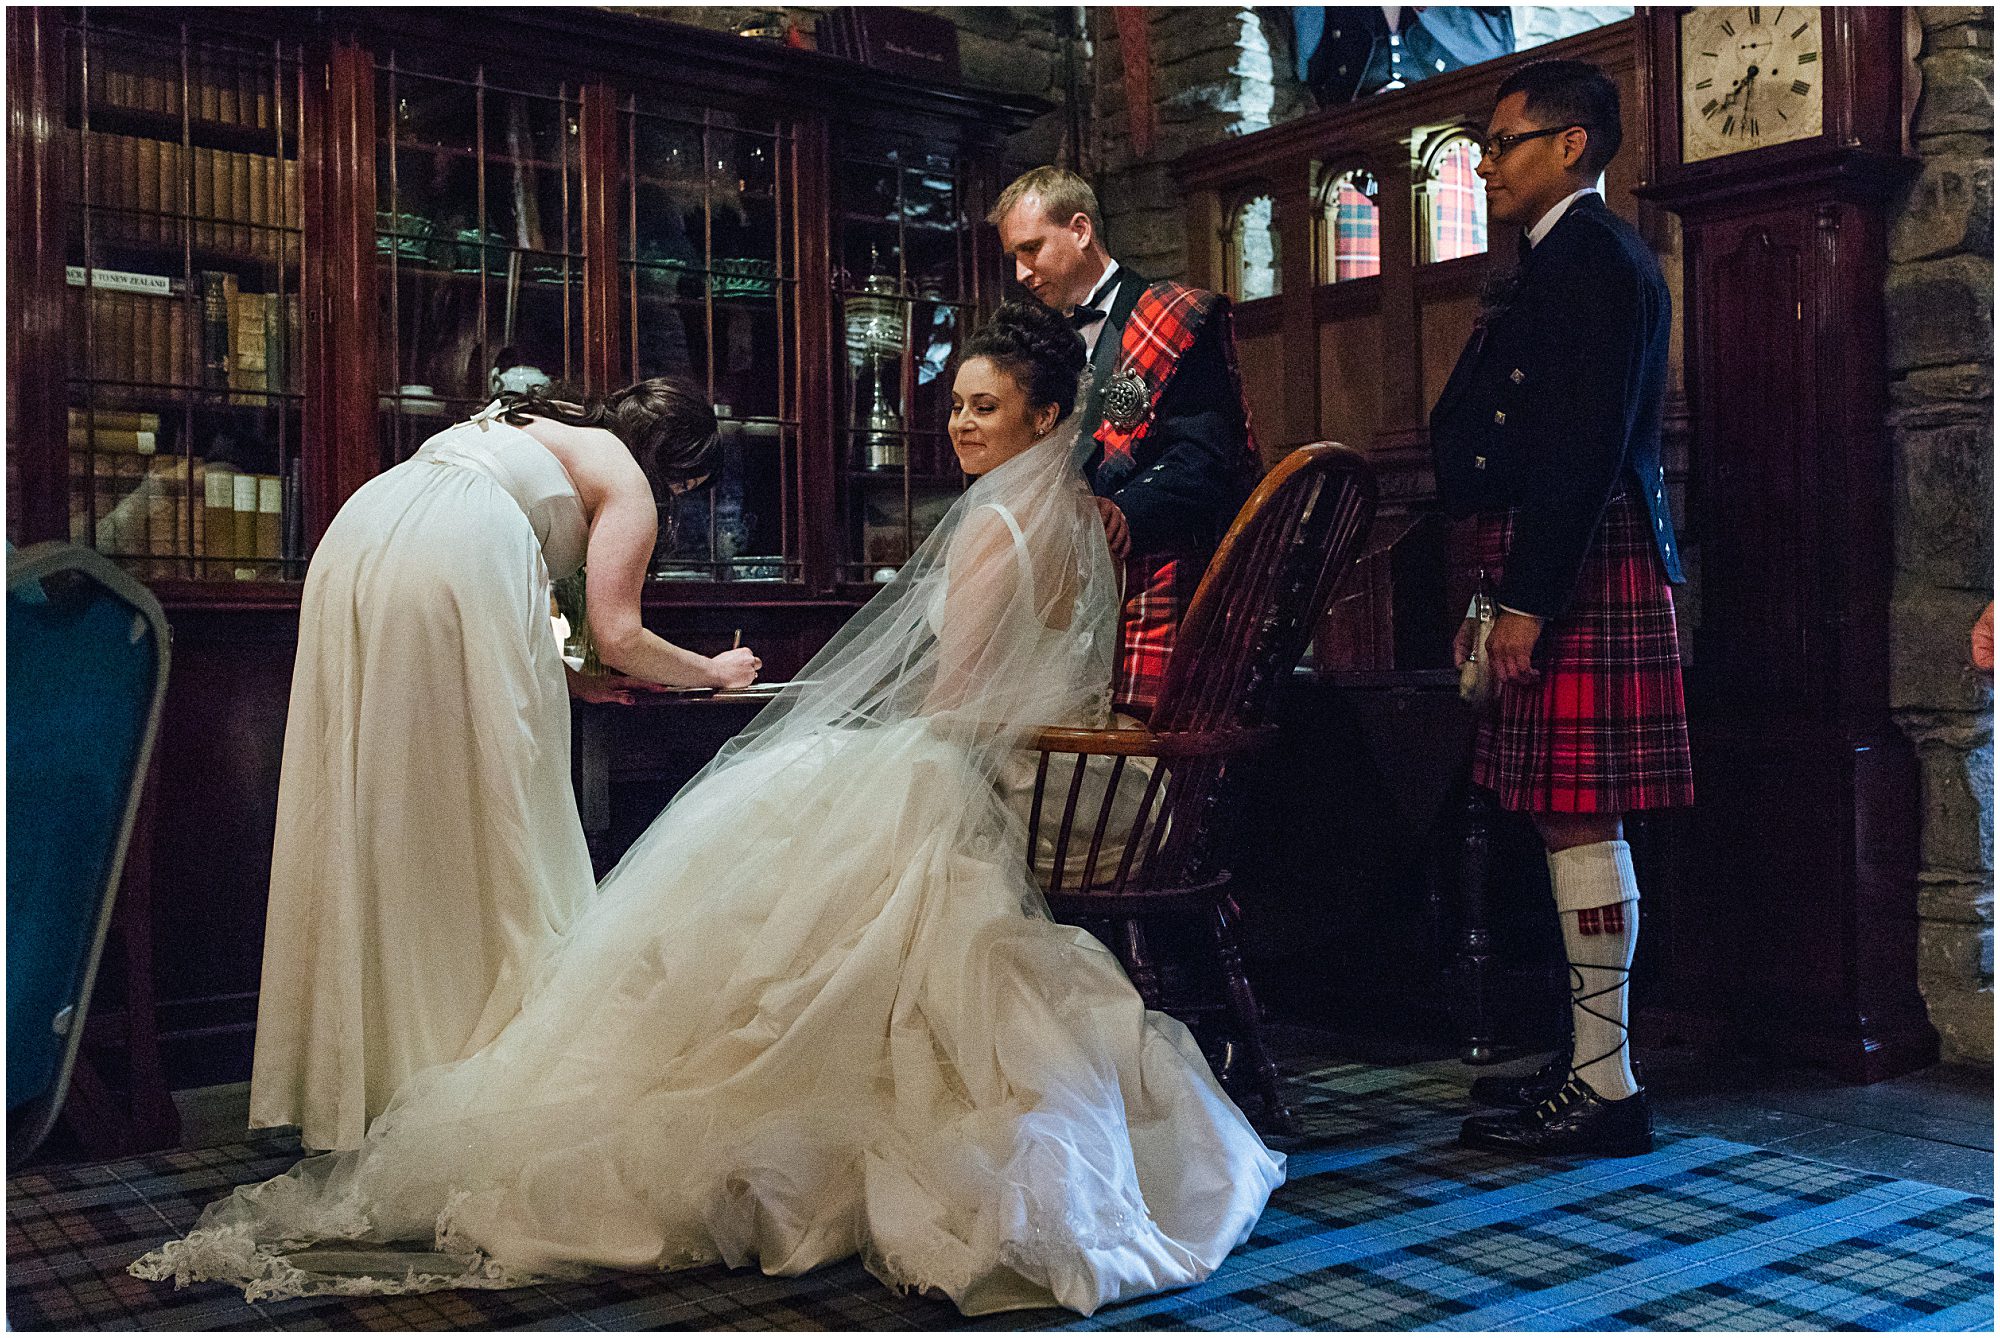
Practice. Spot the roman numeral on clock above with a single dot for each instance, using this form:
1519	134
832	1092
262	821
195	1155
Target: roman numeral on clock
1706	83
1801	28
1728	28
1728	124
1756	15
1750	125
1709	110
1809	58
1801	87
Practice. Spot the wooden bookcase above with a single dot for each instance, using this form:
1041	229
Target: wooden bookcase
295	250
183	254
405	203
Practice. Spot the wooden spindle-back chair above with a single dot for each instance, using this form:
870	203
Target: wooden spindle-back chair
1113	863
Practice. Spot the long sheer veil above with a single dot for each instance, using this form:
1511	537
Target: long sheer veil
726	928
961	636
1002	620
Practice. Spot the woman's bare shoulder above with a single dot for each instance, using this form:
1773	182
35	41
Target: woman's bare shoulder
597	462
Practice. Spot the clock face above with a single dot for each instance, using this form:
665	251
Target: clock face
1751	76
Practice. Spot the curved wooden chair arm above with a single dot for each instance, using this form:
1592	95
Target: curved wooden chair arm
1145	743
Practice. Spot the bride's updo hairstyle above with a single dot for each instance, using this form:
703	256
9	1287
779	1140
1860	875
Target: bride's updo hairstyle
666	424
1037	347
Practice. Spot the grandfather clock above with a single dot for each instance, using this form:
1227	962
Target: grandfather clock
1776	133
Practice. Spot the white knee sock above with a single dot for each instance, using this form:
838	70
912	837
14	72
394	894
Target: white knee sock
1597	899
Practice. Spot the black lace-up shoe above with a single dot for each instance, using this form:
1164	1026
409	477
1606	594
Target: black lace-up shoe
1520	1091
1516	1091
1575	1121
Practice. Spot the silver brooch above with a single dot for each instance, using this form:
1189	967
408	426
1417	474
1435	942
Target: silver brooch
1126	402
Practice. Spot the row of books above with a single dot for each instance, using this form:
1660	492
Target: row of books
225	338
218	91
120	430
171	506
158	180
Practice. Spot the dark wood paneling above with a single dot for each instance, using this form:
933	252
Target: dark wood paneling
36	307
820	335
1758	521
1349	398
1809	866
338	170
1261	357
221	741
601	164
1297	210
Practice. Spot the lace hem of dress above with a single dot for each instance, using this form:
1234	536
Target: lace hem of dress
265	1271
232	1255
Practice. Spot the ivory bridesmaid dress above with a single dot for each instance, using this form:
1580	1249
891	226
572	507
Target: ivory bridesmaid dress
428	845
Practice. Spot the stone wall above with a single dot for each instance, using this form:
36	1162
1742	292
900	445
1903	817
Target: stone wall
1217	73
1940	306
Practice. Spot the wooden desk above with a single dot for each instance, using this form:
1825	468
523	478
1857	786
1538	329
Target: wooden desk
627	761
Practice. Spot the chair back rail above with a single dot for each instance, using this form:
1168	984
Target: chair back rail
1252	615
1257	605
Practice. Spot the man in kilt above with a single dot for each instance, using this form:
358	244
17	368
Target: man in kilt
1548	432
1164	438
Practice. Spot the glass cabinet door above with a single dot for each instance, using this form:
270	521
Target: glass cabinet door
478	237
183	233
706	214
903	251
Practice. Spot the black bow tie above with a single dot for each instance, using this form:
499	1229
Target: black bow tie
1083	316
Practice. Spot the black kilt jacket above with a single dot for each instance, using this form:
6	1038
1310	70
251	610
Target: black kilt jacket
1555	403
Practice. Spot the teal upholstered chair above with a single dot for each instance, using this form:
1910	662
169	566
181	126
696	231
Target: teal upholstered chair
86	672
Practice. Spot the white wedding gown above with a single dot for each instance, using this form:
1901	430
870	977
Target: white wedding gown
819	1009
428	849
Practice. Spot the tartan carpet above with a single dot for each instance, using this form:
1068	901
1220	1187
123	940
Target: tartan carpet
1384	1224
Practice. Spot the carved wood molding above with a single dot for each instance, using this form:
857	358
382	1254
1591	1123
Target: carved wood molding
589	42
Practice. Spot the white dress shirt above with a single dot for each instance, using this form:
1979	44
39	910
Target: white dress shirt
1099	300
1554	216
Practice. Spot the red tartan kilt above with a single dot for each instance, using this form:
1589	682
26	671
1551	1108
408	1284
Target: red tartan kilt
1604	729
1158	591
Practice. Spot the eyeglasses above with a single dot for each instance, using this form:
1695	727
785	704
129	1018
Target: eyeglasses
1495	145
